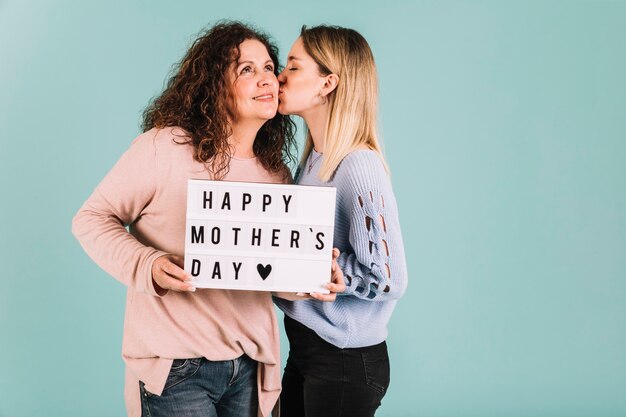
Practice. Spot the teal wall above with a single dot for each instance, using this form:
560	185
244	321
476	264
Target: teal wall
505	127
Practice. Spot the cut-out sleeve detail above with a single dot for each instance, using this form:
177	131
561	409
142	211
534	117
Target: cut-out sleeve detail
369	266
368	223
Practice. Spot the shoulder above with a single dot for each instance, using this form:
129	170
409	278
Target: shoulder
361	170
366	157
163	144
160	137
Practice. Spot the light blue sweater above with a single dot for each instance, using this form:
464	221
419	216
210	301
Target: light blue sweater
367	232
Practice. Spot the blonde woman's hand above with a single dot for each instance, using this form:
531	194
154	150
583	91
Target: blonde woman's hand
168	274
336	284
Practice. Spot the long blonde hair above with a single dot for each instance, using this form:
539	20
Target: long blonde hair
353	103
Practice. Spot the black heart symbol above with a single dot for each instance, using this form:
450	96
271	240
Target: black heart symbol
264	271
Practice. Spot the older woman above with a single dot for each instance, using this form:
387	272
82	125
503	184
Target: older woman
206	352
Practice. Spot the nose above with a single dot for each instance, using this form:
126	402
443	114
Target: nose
267	79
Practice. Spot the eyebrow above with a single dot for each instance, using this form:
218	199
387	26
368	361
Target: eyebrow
251	62
293	58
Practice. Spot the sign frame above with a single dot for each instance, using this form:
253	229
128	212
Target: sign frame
259	236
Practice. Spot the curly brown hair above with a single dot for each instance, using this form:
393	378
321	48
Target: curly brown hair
195	99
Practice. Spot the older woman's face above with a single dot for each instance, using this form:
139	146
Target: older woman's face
254	88
300	82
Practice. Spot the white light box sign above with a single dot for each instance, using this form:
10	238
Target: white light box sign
254	236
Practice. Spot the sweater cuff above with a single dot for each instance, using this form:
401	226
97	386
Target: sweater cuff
146	283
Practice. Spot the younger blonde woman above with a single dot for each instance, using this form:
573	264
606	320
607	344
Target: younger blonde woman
338	363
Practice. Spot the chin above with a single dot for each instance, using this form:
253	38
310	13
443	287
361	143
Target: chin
267	116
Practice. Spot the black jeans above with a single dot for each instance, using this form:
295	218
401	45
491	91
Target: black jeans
322	380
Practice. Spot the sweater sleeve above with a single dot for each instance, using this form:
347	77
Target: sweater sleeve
375	268
119	200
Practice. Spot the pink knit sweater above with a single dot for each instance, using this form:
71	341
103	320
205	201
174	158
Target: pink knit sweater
146	191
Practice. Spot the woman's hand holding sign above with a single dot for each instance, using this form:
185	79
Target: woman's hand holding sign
168	274
336	284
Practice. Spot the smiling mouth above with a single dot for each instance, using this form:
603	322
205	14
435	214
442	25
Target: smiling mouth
264	97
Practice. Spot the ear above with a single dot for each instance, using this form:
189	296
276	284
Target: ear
330	83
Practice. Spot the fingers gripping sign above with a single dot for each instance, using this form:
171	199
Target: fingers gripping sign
168	274
336	284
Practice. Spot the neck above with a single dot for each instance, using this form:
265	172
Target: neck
316	123
242	138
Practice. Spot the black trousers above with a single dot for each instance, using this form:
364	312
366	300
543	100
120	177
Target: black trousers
322	380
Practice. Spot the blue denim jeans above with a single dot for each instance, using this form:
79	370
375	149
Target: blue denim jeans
322	380
202	388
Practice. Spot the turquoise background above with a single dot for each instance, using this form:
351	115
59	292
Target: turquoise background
505	128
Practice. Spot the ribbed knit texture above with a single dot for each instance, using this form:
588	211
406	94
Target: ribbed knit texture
367	232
